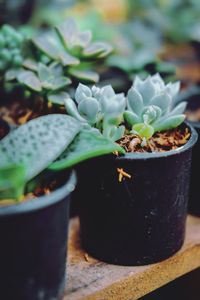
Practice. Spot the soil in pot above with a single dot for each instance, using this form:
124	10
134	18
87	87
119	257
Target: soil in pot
18	112
134	207
33	245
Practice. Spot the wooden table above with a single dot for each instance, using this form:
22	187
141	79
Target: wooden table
90	279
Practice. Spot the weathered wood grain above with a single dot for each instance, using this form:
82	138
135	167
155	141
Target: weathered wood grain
89	279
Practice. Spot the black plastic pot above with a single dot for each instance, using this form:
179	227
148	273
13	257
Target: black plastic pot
33	237
140	220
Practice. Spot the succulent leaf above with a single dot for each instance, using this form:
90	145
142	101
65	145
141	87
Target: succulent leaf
146	88
72	110
144	130
84	76
58	98
30	79
68	32
164	101
89	108
87	144
169	123
179	109
135	101
38	143
82	92
131	117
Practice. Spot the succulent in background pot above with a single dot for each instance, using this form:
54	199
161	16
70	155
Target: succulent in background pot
48	64
135	205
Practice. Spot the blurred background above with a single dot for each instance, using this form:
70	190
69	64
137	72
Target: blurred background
148	36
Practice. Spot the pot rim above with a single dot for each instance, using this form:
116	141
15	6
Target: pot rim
41	202
146	156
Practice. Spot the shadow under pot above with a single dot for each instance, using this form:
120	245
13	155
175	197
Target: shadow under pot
33	250
140	220
193	109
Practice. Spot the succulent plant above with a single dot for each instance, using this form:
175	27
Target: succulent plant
48	81
72	49
11	43
54	141
52	61
100	108
151	107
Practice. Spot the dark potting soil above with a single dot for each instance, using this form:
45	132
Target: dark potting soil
38	192
44	187
19	112
159	142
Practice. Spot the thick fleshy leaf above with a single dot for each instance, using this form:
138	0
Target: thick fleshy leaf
68	60
135	101
86	145
84	76
144	130
113	132
169	123
44	72
72	110
30	64
68	32
131	118
179	109
12	181
173	88
12	74
82	92
151	114
113	106
58	98
97	49
107	50
31	80
158	83
60	82
107	91
147	90
164	101
84	38
89	108
45	45
38	143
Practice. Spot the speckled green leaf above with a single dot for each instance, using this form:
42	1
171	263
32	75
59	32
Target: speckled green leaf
87	144
38	143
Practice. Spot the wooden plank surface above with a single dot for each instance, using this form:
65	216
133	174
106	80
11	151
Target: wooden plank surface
90	279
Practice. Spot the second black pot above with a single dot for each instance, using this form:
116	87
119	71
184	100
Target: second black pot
33	238
139	220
